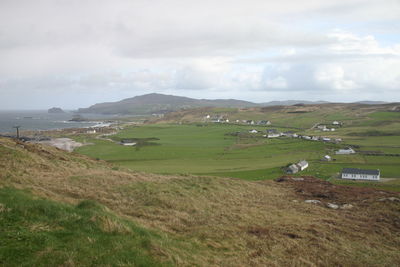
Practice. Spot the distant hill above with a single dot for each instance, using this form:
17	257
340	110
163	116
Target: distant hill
292	102
160	103
367	102
55	110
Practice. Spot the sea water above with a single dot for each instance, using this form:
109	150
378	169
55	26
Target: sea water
42	120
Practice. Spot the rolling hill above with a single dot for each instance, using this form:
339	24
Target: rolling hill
64	209
160	103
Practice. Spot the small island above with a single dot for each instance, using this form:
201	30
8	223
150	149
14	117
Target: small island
77	118
55	110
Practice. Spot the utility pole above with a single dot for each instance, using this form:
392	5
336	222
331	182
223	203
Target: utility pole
17	127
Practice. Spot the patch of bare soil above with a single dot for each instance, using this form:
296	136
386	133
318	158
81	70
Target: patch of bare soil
308	187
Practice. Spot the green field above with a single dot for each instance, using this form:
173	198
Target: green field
202	149
214	149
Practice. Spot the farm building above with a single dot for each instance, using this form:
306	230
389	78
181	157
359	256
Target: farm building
264	122
302	164
346	151
294	168
360	174
127	143
271	131
327	158
273	135
253	131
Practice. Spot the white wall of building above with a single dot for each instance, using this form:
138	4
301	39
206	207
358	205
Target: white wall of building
360	176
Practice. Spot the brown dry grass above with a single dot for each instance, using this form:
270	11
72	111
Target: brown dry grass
219	221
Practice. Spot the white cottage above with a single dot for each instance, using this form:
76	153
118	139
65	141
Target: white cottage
273	135
302	164
346	151
360	174
327	158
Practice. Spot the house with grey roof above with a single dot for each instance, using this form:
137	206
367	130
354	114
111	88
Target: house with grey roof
296	167
346	151
360	174
292	169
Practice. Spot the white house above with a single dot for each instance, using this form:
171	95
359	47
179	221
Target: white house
273	135
346	151
327	158
302	164
360	174
253	131
294	168
321	127
326	139
336	123
127	143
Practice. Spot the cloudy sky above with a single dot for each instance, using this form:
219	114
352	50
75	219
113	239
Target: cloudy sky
73	54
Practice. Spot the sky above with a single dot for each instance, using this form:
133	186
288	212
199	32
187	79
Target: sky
75	53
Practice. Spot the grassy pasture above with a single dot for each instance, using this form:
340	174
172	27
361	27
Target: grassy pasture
214	149
203	149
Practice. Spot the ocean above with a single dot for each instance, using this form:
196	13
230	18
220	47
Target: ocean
41	120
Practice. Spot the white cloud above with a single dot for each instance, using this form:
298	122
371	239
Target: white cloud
277	83
333	76
245	49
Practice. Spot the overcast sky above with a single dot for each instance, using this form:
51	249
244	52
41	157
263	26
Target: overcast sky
73	54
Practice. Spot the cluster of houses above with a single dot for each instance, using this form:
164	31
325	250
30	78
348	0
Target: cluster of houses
223	119
347	173
296	167
325	129
273	133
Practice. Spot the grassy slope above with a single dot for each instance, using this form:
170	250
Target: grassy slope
209	149
184	220
40	232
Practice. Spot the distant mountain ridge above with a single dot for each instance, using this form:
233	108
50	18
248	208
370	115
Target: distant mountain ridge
160	103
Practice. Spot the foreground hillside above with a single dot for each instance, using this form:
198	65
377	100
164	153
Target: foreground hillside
61	208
